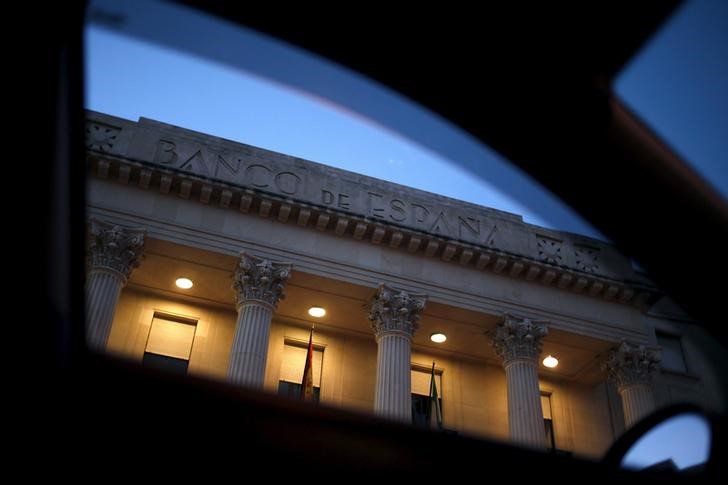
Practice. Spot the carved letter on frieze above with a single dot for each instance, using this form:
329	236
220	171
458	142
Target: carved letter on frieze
393	311
327	197
420	213
196	164
254	174
260	280
344	202
114	248
399	212
440	225
375	205
232	167
518	338
630	364
287	182
490	239
471	224
166	152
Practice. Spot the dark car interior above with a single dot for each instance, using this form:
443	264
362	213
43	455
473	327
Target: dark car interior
533	83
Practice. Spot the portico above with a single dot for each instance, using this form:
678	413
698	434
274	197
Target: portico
391	265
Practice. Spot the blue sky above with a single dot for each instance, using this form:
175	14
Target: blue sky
685	439
677	84
130	78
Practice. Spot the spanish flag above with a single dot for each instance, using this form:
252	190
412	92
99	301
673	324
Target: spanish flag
307	381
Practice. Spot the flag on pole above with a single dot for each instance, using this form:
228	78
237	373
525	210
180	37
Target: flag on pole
434	410
307	381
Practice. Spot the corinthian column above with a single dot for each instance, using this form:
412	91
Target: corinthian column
258	285
518	342
630	366
394	316
114	252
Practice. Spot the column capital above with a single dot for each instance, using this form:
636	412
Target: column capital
115	249
261	280
395	311
630	364
518	338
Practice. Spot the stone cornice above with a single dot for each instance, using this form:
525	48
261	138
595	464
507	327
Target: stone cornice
259	280
518	339
174	161
395	311
631	364
114	249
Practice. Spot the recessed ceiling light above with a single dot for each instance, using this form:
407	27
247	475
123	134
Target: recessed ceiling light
550	361
317	311
438	338
184	283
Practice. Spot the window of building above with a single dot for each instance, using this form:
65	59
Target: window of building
421	395
673	358
548	421
292	364
169	344
293	390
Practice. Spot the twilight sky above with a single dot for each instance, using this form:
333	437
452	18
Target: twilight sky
677	84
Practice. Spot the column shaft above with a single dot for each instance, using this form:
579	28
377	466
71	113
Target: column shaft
637	402
258	284
394	315
250	345
393	397
518	342
525	416
102	294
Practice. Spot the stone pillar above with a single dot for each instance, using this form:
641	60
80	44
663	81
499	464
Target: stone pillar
258	285
630	366
113	254
394	316
518	342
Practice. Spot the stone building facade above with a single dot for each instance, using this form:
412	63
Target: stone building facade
264	236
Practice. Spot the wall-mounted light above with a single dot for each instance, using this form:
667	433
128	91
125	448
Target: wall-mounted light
438	337
550	361
317	311
184	283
